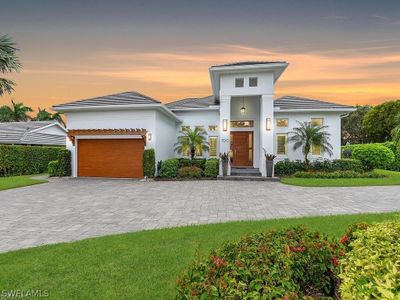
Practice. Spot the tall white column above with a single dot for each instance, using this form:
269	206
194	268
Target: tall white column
266	136
224	136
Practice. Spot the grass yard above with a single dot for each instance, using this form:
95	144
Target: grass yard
141	265
392	179
18	181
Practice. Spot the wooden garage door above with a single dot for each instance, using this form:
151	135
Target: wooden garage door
120	158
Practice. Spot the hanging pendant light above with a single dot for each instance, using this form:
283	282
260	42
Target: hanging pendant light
243	109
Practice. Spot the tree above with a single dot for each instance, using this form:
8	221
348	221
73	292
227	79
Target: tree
192	140
308	134
44	115
380	121
353	130
396	131
15	113
9	62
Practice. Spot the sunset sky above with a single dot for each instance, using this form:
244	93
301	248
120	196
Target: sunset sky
343	51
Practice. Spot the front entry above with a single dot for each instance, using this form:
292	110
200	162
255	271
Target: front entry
242	148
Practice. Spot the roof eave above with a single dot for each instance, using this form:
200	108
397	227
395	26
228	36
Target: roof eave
195	108
350	109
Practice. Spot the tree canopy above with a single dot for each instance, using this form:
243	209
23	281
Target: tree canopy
353	131
16	112
9	62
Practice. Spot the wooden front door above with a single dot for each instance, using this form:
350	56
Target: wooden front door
120	158
242	148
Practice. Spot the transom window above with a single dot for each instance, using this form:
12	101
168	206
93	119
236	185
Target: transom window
317	121
281	144
200	127
213	145
282	122
183	128
213	127
241	124
239	82
253	81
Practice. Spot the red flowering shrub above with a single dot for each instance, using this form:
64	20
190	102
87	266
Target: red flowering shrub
349	236
284	264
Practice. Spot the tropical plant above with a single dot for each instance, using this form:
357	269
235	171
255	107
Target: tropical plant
269	157
17	112
353	130
44	115
224	157
396	131
9	62
308	134
192	141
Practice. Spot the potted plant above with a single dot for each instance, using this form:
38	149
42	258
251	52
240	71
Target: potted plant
225	161
269	158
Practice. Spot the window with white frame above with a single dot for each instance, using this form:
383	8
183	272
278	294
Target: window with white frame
282	122
316	149
239	82
253	81
317	121
213	145
281	144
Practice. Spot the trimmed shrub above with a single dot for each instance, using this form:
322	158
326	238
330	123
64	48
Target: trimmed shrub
211	168
199	162
184	162
374	156
26	160
287	167
370	270
190	172
169	168
52	168
278	264
337	165
149	163
338	174
62	166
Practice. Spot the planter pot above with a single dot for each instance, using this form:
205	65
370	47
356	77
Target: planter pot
225	169
270	167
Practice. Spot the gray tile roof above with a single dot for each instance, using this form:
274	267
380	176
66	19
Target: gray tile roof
293	103
126	98
21	133
245	63
204	102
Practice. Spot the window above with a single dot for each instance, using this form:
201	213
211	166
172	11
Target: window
281	144
199	127
213	128
282	122
240	124
198	151
183	128
213	145
253	81
239	82
317	121
185	150
315	150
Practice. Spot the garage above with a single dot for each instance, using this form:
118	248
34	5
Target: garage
112	157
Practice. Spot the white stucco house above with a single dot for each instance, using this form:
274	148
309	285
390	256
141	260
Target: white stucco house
107	134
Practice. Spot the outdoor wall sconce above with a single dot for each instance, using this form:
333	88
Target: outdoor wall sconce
268	124
243	109
149	136
225	124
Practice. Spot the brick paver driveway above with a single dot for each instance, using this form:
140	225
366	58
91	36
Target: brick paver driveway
72	209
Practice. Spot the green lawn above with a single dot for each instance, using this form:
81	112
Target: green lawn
392	179
141	265
18	181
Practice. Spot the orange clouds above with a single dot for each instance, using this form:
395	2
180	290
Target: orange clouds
356	75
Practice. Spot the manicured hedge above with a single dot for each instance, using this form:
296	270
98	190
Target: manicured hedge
288	168
62	166
197	162
149	163
279	264
338	174
190	172
374	156
169	168
25	160
211	167
370	270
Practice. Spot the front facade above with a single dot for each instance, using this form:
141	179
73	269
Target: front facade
107	135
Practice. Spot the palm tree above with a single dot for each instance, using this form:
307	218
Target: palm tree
44	115
192	140
8	63
308	134
15	113
396	131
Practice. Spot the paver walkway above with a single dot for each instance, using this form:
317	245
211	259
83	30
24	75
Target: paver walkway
73	209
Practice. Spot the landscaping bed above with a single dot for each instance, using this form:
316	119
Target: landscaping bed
140	265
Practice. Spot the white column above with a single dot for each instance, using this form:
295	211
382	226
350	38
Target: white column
224	136
266	136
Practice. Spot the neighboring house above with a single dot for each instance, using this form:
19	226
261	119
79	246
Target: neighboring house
49	133
107	134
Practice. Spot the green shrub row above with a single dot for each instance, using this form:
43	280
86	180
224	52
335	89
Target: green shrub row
190	172
149	163
338	174
288	168
62	166
170	168
25	160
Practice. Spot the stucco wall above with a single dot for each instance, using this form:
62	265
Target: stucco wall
165	137
265	84
331	119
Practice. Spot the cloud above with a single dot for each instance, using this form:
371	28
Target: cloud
381	18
